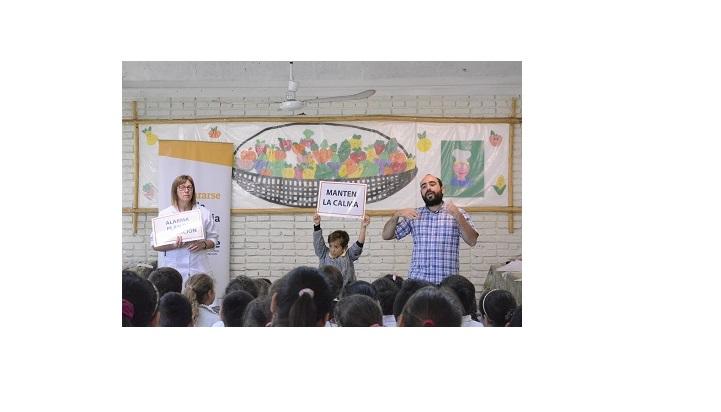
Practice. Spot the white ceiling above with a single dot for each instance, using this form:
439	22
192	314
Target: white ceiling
319	79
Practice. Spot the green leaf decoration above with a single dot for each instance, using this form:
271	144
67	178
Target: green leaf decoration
307	133
392	145
499	190
369	168
323	172
344	150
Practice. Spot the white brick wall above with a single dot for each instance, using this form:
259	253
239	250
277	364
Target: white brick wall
271	245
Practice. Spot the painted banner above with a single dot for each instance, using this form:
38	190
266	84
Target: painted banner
280	165
210	166
342	199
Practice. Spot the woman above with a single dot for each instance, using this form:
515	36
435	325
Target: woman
188	258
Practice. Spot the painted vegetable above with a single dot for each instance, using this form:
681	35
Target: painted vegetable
500	185
150	137
495	139
214	133
424	143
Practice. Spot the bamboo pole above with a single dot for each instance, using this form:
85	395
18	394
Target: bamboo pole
511	137
309	119
136	165
296	211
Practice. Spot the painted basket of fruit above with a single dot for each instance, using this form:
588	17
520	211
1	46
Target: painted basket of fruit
284	164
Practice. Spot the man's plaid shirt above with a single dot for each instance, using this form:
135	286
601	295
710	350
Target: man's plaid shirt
435	243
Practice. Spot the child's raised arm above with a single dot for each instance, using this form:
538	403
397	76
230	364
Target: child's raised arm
321	250
364	224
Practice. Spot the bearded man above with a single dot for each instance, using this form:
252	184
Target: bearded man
435	229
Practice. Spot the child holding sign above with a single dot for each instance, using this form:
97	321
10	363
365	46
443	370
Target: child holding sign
337	253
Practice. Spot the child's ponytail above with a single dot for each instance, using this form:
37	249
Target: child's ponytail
302	299
193	298
197	288
303	312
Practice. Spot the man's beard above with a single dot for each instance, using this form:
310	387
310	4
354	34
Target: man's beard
437	199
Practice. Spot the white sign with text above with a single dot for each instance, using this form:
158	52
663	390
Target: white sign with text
188	224
342	199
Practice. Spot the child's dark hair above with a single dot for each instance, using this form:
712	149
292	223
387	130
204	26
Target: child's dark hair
244	283
196	290
140	300
257	313
360	287
341	235
175	310
464	290
497	306
277	285
334	277
432	306
358	310
396	279
166	279
387	291
233	307
410	286
263	285
303	299
516	318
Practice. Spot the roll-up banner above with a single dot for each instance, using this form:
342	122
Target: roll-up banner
210	165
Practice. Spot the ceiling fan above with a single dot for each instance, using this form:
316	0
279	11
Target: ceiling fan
290	103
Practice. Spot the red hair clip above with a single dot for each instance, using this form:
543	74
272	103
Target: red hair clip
128	308
428	322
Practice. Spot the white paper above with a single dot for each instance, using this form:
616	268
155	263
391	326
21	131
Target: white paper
188	224
513	266
342	199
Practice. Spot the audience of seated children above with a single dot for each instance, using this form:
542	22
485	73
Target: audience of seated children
432	306
387	291
302	299
140	301
166	279
466	293
175	310
312	297
497	307
199	291
233	308
358	311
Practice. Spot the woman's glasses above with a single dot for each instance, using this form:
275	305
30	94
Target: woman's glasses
185	188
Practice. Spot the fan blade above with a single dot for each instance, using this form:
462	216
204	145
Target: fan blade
361	95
